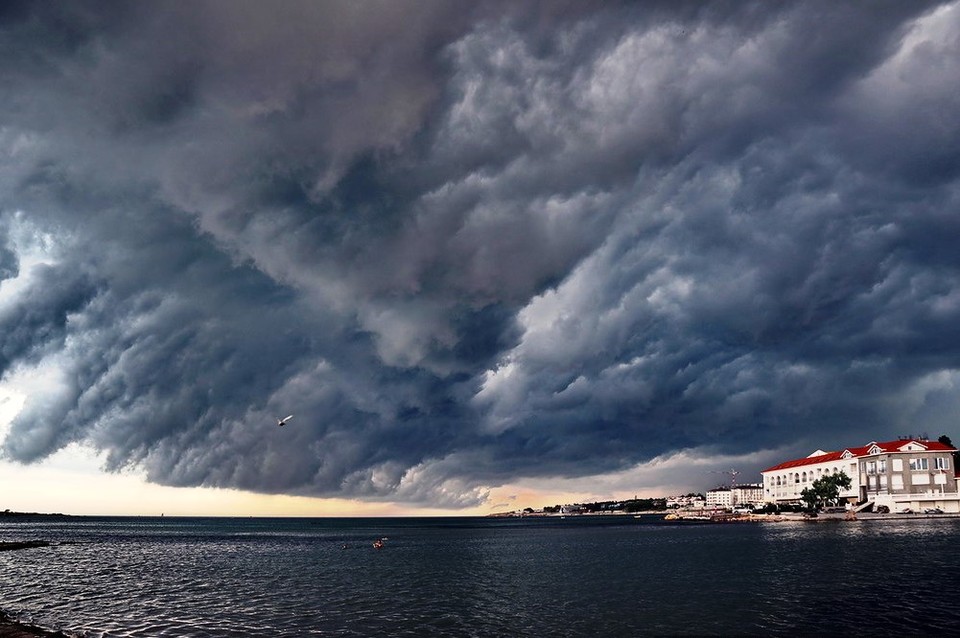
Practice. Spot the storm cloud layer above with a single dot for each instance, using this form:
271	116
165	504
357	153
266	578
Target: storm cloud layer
471	246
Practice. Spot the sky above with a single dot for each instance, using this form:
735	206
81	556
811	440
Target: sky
489	255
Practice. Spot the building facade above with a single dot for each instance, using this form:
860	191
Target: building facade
720	498
910	473
748	494
686	502
734	496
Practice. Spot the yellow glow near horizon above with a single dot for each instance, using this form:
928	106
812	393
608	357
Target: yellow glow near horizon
52	486
72	482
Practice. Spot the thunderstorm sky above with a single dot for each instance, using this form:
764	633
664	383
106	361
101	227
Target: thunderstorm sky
474	244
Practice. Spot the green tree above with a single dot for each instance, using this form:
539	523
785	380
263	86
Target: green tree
825	490
956	455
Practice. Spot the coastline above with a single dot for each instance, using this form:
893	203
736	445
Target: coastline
10	628
787	517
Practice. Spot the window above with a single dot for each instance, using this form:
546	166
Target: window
918	464
882	466
942	463
872	467
897	465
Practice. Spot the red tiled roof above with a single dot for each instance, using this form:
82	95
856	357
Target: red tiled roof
889	446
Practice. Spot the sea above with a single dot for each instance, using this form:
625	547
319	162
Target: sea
478	577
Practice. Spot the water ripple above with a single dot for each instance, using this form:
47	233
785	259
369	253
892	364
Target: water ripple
474	577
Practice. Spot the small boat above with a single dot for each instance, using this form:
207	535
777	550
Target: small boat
378	544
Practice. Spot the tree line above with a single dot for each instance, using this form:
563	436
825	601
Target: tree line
626	506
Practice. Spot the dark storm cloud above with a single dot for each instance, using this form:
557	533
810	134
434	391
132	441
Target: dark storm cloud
9	262
467	247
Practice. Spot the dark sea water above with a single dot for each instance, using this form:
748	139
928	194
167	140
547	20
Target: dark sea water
613	576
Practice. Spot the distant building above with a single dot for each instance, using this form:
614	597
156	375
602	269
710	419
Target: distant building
720	497
734	496
908	473
748	494
686	502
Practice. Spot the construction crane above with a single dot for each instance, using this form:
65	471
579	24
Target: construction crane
733	482
731	472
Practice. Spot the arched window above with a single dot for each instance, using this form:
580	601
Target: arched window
796	478
804	479
778	481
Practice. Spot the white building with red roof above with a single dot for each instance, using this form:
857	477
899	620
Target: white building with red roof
909	473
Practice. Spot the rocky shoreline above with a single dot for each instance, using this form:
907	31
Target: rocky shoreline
10	628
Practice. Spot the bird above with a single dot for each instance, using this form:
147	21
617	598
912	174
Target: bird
282	421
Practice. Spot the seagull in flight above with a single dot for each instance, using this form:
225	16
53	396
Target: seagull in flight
283	421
